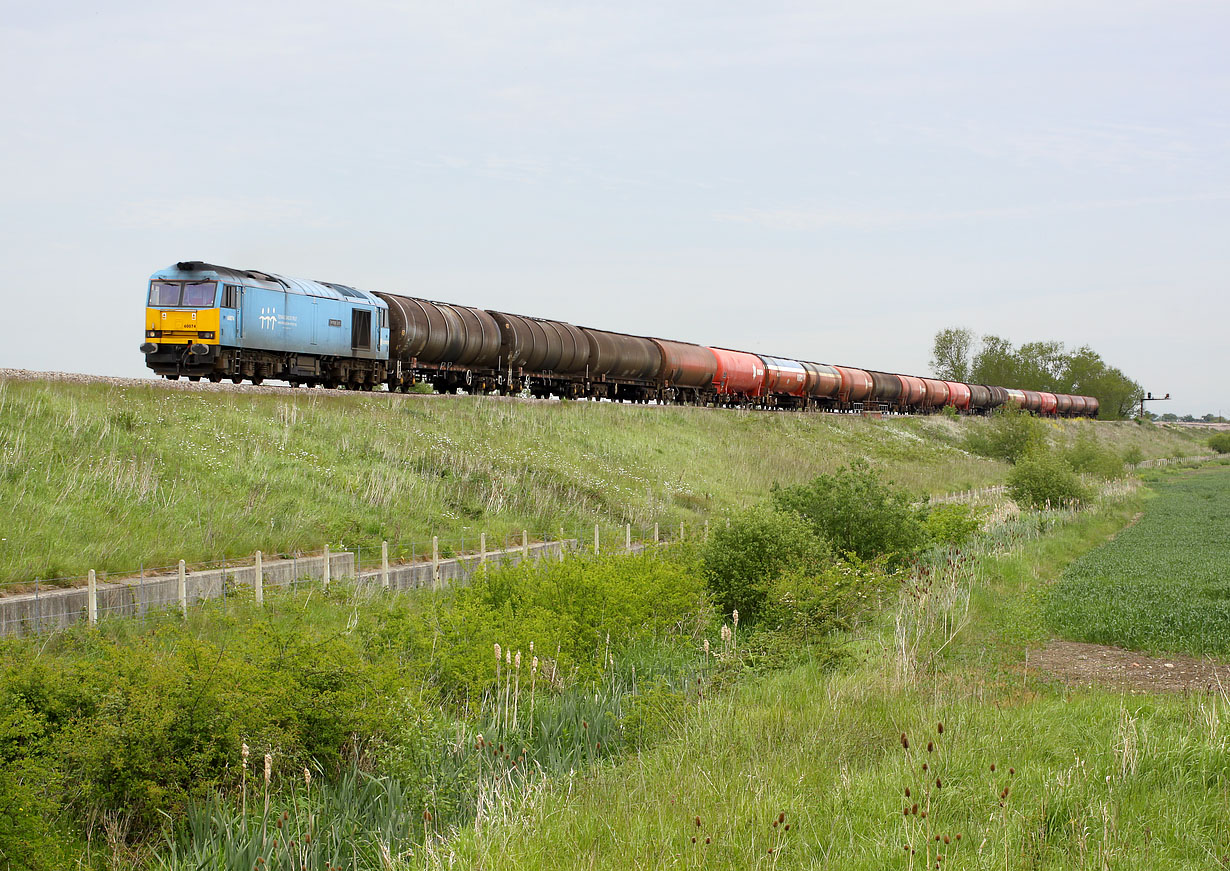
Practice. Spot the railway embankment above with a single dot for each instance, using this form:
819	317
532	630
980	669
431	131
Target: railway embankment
113	474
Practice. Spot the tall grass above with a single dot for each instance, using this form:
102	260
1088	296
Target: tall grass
967	756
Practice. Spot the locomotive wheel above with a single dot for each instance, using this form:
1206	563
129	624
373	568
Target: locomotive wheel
257	380
214	377
194	377
331	384
236	379
171	377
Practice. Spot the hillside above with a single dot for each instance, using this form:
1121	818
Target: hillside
117	474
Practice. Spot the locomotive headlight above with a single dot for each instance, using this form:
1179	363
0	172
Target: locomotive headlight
208	335
153	334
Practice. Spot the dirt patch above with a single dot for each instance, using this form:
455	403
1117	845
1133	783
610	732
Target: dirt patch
1080	664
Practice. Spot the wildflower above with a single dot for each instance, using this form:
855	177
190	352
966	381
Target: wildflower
517	660
268	767
244	753
905	742
706	647
534	665
497	651
307	777
735	616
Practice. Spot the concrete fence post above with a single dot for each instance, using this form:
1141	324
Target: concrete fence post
384	564
627	538
681	530
435	562
597	536
525	544
655	533
258	580
91	598
328	573
183	588
482	549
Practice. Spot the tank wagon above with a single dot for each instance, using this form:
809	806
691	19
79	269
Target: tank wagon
215	322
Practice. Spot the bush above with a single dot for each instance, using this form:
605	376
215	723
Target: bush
740	561
809	605
1087	456
1009	434
1220	442
858	513
1133	456
952	523
1042	478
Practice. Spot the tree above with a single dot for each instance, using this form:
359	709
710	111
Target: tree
1045	365
996	363
950	355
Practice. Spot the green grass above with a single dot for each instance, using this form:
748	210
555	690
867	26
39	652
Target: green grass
1162	584
116	477
1096	779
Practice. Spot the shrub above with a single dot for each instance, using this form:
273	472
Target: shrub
741	560
858	512
1009	434
1087	456
1133	456
952	524
1220	442
809	605
1042	478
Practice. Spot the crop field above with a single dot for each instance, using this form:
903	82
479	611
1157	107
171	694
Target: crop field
1163	584
210	476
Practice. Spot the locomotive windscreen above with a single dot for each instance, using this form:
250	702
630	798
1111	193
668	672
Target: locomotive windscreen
186	293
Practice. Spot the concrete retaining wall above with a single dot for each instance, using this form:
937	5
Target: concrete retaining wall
54	608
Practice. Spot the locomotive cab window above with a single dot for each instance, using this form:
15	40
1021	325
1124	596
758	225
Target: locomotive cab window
165	292
230	296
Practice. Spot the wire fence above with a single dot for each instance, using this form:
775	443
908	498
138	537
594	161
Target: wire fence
50	604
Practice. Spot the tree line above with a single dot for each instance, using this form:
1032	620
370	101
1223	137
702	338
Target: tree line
960	355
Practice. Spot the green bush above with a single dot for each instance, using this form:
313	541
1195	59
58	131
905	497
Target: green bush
1088	456
1043	478
1009	434
1133	456
858	513
809	605
953	523
741	560
1220	442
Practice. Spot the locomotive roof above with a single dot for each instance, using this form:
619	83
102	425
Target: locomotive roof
187	269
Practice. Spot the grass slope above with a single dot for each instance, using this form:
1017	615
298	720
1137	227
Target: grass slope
114	477
1162	584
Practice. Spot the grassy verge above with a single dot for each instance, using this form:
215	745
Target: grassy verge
1162	584
1028	773
115	477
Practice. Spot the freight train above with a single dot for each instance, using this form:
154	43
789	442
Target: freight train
213	322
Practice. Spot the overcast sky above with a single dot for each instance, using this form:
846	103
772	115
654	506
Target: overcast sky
829	180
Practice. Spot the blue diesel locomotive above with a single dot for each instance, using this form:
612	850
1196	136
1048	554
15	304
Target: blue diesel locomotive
206	321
